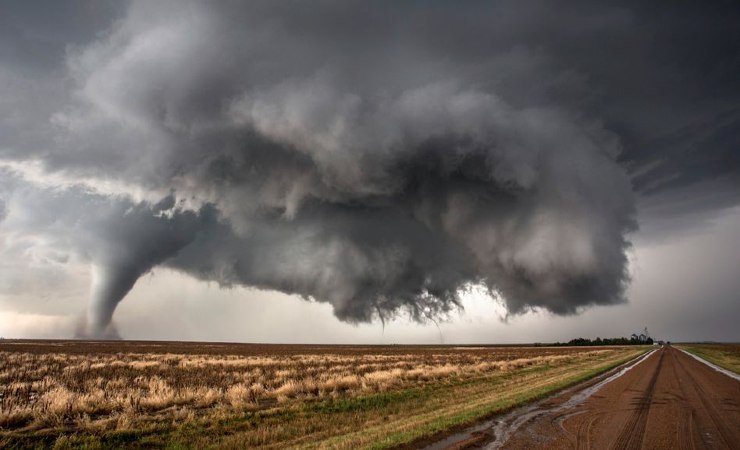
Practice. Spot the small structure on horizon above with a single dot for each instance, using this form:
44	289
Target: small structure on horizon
642	337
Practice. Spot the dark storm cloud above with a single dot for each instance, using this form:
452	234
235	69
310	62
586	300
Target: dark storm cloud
381	157
34	35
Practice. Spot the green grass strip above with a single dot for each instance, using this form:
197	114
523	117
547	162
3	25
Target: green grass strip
716	354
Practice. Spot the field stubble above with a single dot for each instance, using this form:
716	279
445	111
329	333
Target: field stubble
68	393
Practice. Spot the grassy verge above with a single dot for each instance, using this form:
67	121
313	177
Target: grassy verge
724	355
536	384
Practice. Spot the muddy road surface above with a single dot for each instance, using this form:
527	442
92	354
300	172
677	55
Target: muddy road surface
665	400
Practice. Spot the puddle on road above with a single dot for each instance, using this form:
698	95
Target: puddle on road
504	426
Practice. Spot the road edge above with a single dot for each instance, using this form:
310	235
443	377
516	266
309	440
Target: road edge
719	369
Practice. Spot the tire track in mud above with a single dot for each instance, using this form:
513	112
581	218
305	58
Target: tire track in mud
513	421
633	431
670	401
725	430
583	435
492	434
685	430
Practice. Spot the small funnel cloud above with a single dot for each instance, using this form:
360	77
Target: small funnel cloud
120	238
131	245
109	286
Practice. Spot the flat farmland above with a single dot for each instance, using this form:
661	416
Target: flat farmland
194	395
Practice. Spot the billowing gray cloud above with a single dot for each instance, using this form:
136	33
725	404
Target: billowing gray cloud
380	158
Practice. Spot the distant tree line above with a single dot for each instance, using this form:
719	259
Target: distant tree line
583	342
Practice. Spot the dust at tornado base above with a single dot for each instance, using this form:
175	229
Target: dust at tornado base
669	401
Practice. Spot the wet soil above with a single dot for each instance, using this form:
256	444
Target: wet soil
669	400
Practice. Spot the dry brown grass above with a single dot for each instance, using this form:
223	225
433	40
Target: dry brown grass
64	387
40	390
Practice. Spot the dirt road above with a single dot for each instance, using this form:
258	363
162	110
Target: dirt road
669	400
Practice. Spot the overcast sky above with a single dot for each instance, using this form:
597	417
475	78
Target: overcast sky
345	172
